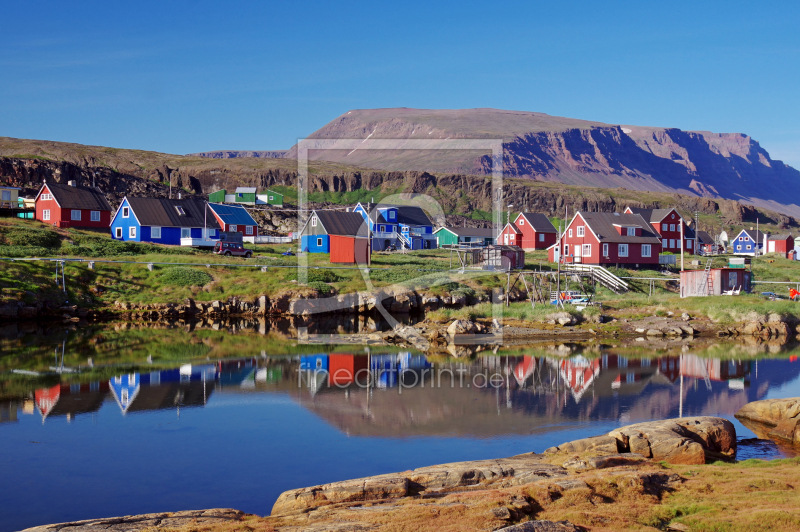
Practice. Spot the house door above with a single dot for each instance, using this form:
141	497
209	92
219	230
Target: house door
505	239
771	246
577	253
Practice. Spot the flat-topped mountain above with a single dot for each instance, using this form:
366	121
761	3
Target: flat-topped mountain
571	151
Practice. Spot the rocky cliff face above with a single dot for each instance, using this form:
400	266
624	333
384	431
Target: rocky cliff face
576	152
233	154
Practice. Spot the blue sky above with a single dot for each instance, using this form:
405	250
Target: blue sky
187	76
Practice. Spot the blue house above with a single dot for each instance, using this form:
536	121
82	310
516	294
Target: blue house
747	242
398	225
163	221
125	388
321	225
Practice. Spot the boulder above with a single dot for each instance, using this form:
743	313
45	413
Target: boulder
773	418
654	333
461	327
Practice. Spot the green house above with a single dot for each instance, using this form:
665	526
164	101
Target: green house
270	197
471	236
246	195
217	197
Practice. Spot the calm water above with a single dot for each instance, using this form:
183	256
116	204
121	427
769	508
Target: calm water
151	419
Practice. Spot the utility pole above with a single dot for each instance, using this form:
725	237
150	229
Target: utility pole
695	232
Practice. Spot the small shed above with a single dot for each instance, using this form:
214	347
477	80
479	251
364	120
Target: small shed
9	197
698	283
217	197
270	197
348	249
780	244
245	195
503	258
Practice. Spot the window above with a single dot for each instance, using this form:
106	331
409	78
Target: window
46	197
664	227
186	232
522	221
75	215
126	212
391	215
180	210
631	231
664	242
570	232
118	232
239	195
248	230
749	246
541	237
313	221
566	249
95	216
645	250
672	242
233	228
581	231
155	232
6	195
622	250
124	396
688	244
270	198
671	227
587	250
132	231
46	214
605	250
319	241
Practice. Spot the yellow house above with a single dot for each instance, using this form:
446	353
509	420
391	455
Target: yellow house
9	197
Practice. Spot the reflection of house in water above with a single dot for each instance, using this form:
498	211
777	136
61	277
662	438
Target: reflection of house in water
8	411
524	369
237	372
387	369
736	372
70	399
185	386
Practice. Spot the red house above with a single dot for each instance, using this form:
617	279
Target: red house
607	239
529	230
780	244
667	223
72	206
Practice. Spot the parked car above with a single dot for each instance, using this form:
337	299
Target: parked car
234	249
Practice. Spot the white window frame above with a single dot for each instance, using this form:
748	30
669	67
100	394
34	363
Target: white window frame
605	250
46	197
75	215
581	231
587	250
313	221
577	251
270	198
155	232
118	232
749	247
391	215
622	250
688	244
132	231
46	214
570	232
671	227
631	231
126	212
248	230
664	227
522	221
646	250
186	232
95	216
319	241
233	228
566	250
180	210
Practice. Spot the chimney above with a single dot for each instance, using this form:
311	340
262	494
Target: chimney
71	182
179	195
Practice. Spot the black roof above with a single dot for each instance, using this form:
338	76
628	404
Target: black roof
602	224
69	197
704	238
539	222
342	223
406	214
162	212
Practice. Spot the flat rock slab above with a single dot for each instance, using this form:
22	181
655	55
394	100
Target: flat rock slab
134	523
504	472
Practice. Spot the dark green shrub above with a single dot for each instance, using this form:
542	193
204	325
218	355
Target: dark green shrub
324	276
183	276
321	287
28	236
25	251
